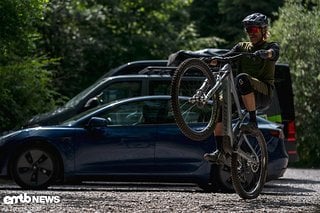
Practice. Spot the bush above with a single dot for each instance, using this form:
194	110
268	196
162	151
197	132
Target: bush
298	32
25	91
25	82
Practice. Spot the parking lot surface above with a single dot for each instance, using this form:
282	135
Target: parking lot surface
297	191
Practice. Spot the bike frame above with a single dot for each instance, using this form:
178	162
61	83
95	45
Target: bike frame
229	94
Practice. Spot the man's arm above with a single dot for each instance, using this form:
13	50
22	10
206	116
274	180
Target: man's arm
271	53
232	52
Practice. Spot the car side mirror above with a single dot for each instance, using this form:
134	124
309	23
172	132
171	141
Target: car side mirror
95	122
94	102
91	103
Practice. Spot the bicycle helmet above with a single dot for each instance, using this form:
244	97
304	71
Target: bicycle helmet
255	19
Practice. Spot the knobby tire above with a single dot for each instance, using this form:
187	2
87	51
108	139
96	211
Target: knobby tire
180	73
252	189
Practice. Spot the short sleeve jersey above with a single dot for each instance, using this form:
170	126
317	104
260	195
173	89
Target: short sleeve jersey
261	69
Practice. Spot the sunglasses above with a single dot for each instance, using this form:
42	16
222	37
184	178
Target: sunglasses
252	29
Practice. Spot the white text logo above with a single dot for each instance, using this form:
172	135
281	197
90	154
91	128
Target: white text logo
24	198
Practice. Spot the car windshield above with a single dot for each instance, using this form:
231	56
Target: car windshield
73	119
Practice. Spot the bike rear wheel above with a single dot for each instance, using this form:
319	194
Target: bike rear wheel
196	118
248	178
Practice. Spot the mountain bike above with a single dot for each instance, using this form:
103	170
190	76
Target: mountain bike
246	152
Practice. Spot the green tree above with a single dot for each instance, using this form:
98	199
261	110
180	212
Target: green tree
16	28
93	36
222	18
298	32
25	91
24	79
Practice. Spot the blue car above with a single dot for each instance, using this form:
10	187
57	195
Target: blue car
134	139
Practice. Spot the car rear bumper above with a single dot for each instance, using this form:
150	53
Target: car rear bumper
292	151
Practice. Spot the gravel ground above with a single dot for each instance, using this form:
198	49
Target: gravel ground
297	191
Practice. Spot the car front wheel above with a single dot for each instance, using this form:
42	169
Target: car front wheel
34	167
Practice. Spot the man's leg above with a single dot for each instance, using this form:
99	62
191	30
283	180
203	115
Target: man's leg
245	88
249	102
218	155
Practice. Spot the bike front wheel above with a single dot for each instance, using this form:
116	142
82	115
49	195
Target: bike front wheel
195	114
249	173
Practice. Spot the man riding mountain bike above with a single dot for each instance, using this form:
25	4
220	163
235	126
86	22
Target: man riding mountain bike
255	77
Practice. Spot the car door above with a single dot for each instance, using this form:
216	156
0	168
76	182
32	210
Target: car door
125	145
174	152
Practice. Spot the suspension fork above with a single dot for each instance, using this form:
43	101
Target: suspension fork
248	157
201	95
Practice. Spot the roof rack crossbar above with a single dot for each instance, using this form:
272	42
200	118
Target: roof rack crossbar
159	70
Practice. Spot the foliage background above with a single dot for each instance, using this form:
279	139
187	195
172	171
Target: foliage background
299	39
51	50
25	75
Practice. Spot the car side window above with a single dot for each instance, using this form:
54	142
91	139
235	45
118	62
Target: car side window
156	112
125	115
159	87
139	113
149	112
188	86
192	114
121	90
160	112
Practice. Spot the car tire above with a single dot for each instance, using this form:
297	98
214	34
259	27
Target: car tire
208	187
213	185
34	167
222	178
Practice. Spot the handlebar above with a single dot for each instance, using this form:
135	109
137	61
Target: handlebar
233	58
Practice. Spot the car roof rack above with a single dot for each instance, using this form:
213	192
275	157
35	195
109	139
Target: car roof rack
163	70
157	70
